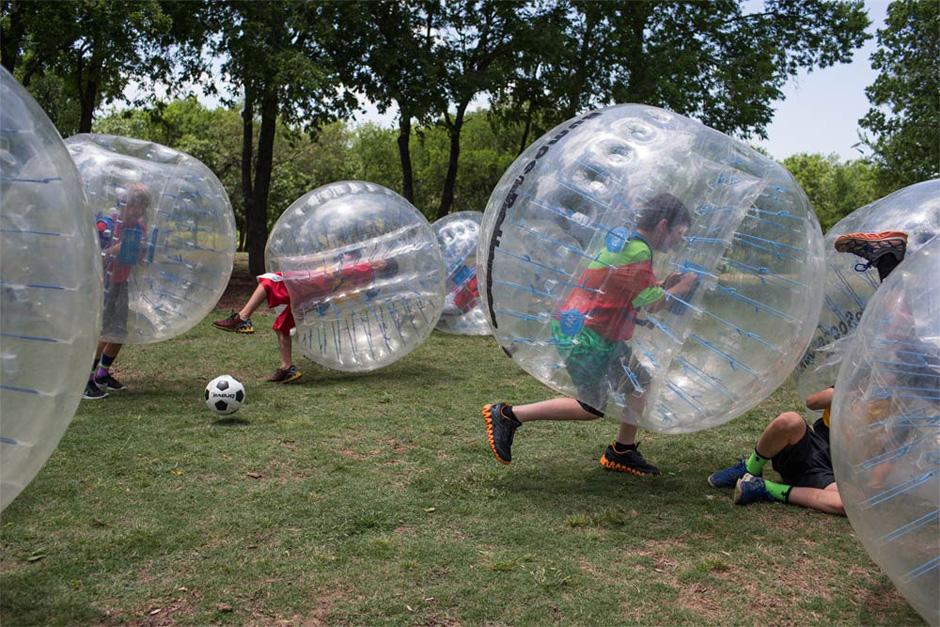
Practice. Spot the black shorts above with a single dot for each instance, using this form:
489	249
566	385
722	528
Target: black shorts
591	386
807	464
114	317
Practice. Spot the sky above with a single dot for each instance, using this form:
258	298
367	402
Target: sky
819	112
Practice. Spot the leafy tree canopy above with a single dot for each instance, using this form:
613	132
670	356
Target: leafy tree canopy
905	116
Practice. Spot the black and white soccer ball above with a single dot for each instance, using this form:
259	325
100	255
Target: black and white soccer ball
225	394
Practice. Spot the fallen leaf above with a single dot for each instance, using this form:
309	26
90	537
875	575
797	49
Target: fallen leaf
156	611
254	475
429	509
224	607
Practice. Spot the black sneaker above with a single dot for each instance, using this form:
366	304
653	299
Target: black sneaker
630	462
93	392
110	383
500	431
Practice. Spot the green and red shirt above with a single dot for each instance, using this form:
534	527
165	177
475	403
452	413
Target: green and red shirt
611	290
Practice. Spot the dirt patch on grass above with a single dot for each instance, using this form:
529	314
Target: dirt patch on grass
163	615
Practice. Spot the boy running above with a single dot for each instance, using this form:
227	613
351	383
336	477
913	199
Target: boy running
592	329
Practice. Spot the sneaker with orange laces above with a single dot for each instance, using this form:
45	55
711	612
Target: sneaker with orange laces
626	458
873	246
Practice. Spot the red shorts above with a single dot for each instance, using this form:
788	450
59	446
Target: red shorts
276	292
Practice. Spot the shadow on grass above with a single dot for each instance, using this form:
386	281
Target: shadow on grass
230	421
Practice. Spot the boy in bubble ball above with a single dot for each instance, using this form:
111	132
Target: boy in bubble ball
797	451
122	235
592	329
348	273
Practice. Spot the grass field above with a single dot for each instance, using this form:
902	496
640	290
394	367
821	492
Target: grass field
368	499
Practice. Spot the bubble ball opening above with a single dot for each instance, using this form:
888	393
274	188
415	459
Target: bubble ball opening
50	288
559	253
458	235
848	287
166	231
364	273
885	429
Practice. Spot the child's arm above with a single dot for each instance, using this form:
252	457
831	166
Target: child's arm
820	400
679	285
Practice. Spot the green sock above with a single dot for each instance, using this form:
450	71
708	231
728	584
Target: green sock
755	464
780	491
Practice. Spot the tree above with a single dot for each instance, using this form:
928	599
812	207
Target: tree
95	49
711	61
834	188
476	51
275	57
300	162
905	113
386	51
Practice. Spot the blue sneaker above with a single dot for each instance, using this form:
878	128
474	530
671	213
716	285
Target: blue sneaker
728	477
750	489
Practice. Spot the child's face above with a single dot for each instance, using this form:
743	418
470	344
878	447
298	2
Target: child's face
668	238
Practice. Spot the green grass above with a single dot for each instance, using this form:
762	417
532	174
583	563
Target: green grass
351	499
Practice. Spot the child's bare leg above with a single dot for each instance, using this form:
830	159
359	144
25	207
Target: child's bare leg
257	297
284	349
561	408
785	430
626	433
111	349
826	500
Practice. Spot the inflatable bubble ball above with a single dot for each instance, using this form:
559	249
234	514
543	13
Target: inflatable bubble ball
635	257
50	288
886	429
364	274
849	284
166	231
458	235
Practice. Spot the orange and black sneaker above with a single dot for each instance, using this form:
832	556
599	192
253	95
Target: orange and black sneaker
501	426
873	246
235	324
285	375
626	458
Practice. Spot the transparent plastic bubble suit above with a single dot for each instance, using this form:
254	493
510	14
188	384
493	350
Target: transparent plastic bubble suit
50	288
576	195
364	273
886	429
914	210
458	234
166	231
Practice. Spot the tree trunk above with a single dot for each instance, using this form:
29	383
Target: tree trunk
450	181
404	154
257	219
526	129
248	197
88	99
12	37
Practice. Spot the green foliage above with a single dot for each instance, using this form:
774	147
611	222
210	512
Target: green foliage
835	188
93	49
905	113
715	61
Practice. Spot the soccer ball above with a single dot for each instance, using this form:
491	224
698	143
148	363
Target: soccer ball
225	394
